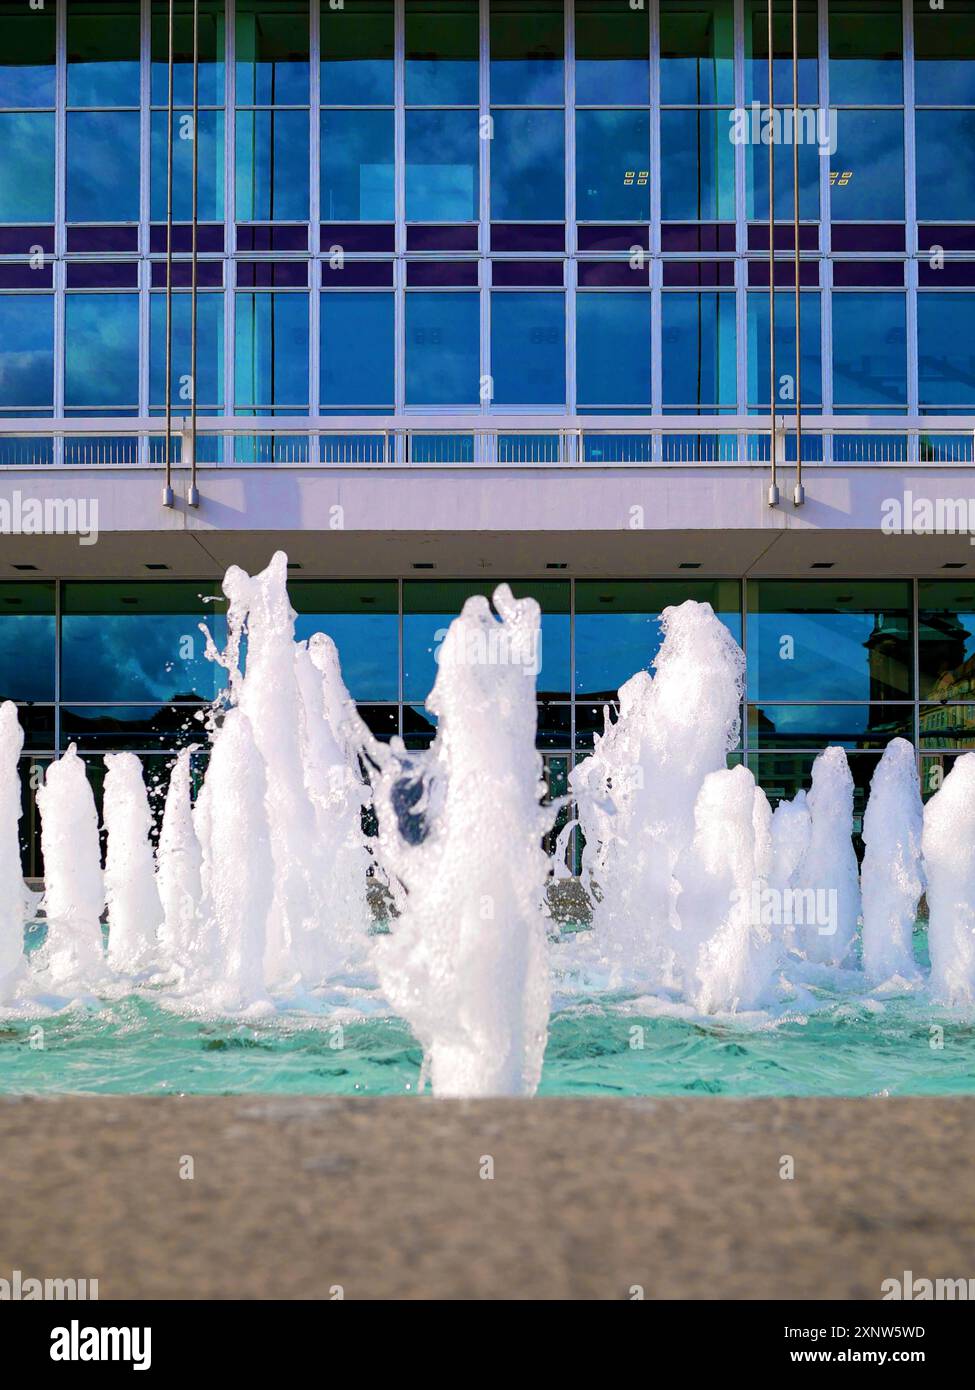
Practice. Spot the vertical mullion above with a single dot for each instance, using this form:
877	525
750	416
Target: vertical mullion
399	212
145	268
656	264
910	226
741	223
314	231
60	218
571	277
825	234
229	224
485	127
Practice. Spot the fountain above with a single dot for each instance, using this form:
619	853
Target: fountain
948	846
72	957
892	878
132	897
13	890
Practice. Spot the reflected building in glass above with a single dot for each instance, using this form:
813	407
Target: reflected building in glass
481	292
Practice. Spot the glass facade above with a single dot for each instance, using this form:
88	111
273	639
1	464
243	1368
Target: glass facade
550	204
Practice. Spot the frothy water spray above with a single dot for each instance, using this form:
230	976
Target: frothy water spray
893	876
72	958
948	844
131	891
13	890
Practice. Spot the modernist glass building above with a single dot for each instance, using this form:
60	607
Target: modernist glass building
466	271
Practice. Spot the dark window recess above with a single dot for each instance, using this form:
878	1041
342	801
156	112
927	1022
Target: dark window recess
525	236
698	236
358	236
613	238
353	273
209	238
883	273
25	277
947	238
784	238
272	274
421	273
699	274
438	238
20	241
952	273
785	274
610	273
863	236
274	238
209	274
102	275
544	273
89	240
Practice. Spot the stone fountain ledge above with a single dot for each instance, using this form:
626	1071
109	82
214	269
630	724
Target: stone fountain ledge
292	1197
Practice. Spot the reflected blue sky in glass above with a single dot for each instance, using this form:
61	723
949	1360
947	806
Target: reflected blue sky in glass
26	166
442	348
756	182
271	40
26	350
442	150
101	350
946	165
140	656
785	348
357	54
210	167
869	349
699	349
946	350
869	148
612	166
27	74
528	166
357	351
528	348
209	366
357	166
613	348
368	646
27	654
271	350
272	166
103	166
697	166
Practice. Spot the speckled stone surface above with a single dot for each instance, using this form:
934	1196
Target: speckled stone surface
386	1198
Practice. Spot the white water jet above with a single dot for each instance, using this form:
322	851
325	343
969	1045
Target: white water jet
13	890
134	909
461	827
828	877
948	843
637	792
892	878
178	868
74	889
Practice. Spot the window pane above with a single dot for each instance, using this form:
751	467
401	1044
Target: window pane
357	166
211	50
442	52
697	52
271	351
867	170
756	52
869	349
103	166
866	46
617	632
139	641
612	53
441	166
442	349
814	726
756	187
946	638
946	349
357	351
697	166
362	620
528	166
613	349
27	57
946	166
103	53
101	339
272	53
944	53
27	641
527	43
357	53
699	357
210	166
26	167
785	349
829	640
26	350
528	348
272	166
209	349
613	166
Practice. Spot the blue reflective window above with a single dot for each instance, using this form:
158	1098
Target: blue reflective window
357	53
26	351
946	349
442	53
613	348
101	343
785	349
867	171
272	166
357	349
27	641
946	166
699	350
756	181
442	149
866	46
756	51
528	166
442	348
209	171
612	166
357	166
271	351
209	349
362	620
697	52
27	57
612	54
103	53
271	43
697	166
527	43
103	166
869	349
528	348
26	167
211	39
944	53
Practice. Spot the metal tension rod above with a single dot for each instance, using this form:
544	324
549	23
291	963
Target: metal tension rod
193	495
773	491
167	497
799	496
